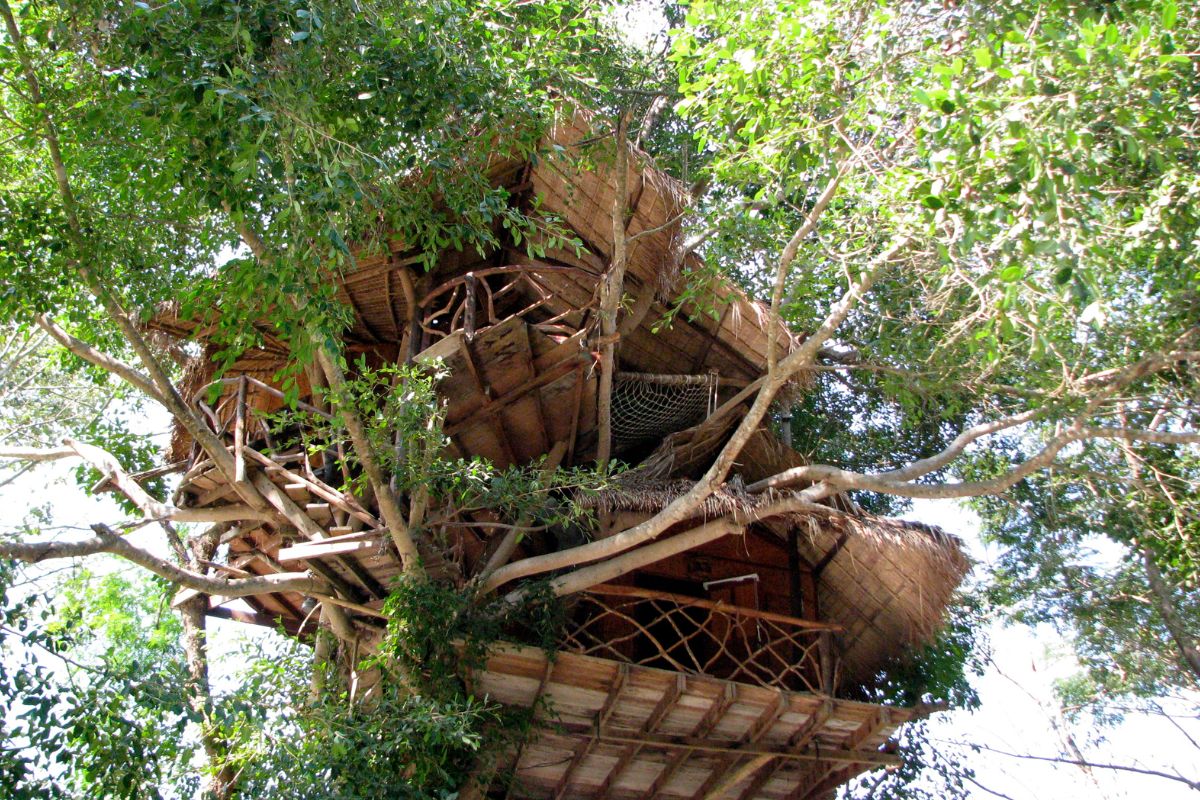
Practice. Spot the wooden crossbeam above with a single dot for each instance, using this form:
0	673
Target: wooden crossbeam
710	720
758	729
868	757
812	725
761	776
660	711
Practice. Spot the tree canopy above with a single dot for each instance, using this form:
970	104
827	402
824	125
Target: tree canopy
984	218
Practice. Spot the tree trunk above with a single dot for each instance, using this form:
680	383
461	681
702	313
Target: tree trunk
220	781
610	296
1170	614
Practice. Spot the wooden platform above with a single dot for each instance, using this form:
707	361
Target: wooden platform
626	731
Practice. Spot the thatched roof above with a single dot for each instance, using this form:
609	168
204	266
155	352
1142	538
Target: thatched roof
574	183
573	179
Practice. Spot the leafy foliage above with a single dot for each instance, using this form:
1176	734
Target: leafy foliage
418	732
92	692
403	415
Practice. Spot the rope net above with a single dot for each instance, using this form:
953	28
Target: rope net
646	407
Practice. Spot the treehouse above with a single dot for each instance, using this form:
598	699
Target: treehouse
723	668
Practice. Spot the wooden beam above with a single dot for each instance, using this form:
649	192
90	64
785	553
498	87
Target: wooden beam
868	757
290	626
577	405
704	727
758	729
500	403
660	711
878	720
537	695
486	393
330	547
727	780
812	725
828	778
764	774
820	566
710	339
610	704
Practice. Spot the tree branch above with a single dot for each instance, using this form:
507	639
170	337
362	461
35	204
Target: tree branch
611	289
389	507
107	541
160	383
834	479
93	356
682	507
1192	784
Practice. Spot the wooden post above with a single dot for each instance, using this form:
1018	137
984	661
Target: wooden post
469	308
239	433
825	648
797	596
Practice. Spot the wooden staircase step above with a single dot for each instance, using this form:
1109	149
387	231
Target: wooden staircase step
320	513
298	492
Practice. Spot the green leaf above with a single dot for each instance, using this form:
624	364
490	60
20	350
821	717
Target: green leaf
1169	13
1012	274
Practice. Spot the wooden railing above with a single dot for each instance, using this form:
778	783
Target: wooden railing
469	303
702	637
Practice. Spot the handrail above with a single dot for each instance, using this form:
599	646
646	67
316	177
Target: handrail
712	605
262	387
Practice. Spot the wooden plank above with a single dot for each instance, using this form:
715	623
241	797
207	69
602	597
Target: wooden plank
758	729
324	549
812	726
320	513
760	779
298	492
485	392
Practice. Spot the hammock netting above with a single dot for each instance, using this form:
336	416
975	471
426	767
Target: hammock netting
645	408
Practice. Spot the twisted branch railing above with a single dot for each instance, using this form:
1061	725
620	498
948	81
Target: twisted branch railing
468	303
701	637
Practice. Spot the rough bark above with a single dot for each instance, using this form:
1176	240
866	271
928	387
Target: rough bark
610	295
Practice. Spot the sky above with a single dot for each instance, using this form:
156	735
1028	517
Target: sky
1017	712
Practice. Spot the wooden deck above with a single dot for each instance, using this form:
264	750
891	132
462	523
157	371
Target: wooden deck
625	731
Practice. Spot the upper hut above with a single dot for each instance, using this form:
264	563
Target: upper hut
720	671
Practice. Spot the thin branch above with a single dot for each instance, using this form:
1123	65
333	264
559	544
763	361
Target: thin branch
828	479
107	541
1191	784
93	356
